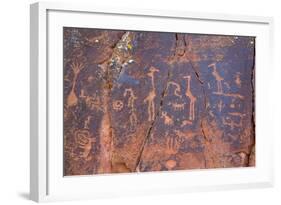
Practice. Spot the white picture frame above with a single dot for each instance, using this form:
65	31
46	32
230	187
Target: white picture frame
46	176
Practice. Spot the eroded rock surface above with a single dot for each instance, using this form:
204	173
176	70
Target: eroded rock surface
151	101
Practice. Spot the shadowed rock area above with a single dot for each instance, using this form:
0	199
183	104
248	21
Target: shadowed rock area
154	101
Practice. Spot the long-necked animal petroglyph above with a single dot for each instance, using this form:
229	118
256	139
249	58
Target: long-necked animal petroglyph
192	98
152	94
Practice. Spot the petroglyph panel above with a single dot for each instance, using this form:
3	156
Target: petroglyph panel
138	101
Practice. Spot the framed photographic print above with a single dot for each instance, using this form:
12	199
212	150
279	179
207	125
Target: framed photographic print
129	101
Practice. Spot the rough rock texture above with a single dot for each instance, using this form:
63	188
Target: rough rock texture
151	101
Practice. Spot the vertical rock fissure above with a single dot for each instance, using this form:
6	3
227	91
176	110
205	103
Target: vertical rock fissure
106	141
201	82
196	72
163	94
154	120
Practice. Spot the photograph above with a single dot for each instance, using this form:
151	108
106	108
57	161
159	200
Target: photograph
140	102
146	101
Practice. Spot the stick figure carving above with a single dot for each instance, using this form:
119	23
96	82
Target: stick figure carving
131	104
192	98
152	94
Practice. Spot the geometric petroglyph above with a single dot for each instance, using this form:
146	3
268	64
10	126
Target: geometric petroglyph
117	105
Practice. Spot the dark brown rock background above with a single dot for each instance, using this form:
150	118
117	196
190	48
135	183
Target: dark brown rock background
154	101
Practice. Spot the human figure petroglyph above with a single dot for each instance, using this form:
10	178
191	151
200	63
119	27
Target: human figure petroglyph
152	94
72	99
192	98
131	104
177	91
131	101
217	76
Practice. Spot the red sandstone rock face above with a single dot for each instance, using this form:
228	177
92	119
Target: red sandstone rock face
150	101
